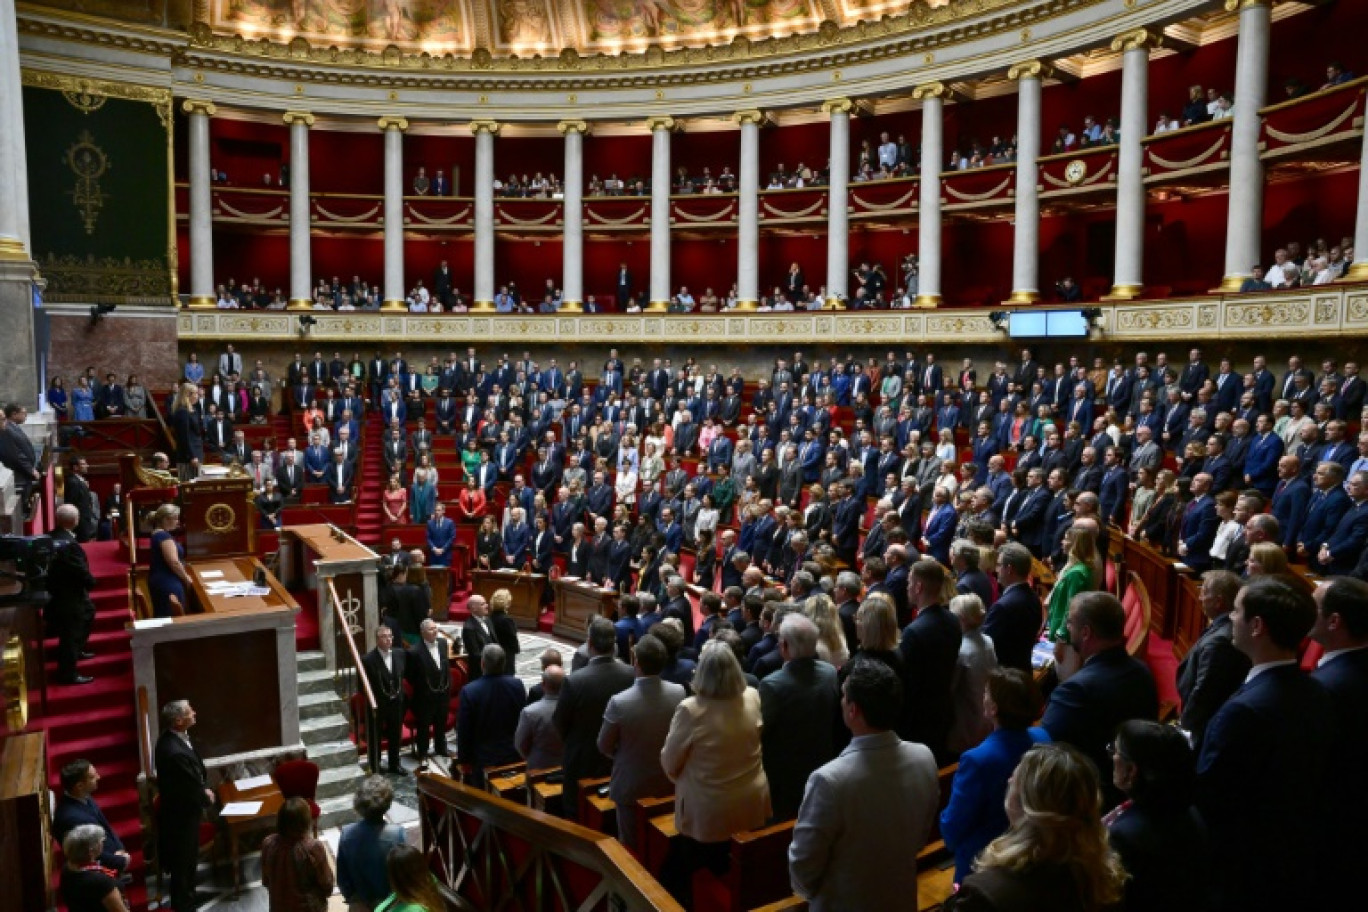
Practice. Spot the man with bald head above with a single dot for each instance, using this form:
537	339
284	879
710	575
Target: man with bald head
70	611
1200	523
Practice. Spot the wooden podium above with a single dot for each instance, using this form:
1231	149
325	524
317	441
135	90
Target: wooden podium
219	517
311	556
576	603
526	589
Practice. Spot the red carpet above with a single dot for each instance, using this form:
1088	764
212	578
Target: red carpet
1164	667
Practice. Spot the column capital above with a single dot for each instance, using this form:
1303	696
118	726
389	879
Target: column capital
1030	69
572	126
838	106
662	122
195	106
294	117
392	122
1234	5
930	90
750	117
1137	39
485	126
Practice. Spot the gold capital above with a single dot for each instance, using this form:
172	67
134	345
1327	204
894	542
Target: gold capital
392	122
1233	5
485	126
838	105
572	126
192	106
294	117
661	122
930	90
1137	39
749	117
12	249
1030	69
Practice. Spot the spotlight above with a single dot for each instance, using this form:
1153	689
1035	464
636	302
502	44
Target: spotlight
999	318
1092	315
98	311
306	322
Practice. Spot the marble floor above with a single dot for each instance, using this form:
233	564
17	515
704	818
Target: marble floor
216	892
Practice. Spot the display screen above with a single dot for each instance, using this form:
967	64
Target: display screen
1047	324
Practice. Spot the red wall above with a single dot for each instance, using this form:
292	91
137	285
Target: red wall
349	162
712	150
248	151
602	258
243	256
344	257
626	156
452	152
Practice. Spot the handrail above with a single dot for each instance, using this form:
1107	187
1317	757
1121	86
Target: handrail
629	886
167	437
340	618
144	735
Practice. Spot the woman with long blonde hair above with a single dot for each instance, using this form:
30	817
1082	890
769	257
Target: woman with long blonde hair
1082	572
1055	846
831	641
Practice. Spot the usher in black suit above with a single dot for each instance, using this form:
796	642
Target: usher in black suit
181	784
388	686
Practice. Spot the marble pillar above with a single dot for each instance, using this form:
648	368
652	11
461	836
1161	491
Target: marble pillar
485	131
1244	218
748	212
932	97
301	239
572	248
661	128
1029	76
15	242
838	204
1130	173
394	296
1358	269
201	205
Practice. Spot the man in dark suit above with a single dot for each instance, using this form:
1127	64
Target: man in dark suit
490	709
801	708
385	670
338	478
1200	523
69	612
1327	507
184	795
77	493
1266	817
1342	630
1109	688
579	712
76	808
930	649
845	523
1213	668
477	633
1346	541
624	287
429	670
1013	621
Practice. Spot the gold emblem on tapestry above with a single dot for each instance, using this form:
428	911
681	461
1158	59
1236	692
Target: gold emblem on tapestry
84	98
88	163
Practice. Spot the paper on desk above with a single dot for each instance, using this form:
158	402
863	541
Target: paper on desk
211	574
149	623
253	782
241	809
248	590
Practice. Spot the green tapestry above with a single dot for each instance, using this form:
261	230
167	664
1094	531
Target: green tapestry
99	185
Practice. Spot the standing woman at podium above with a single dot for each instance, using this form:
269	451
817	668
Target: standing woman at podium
167	577
188	430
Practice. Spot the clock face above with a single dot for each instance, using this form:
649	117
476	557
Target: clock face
220	518
1075	171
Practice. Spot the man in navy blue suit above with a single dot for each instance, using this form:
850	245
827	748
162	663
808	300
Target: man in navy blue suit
1200	523
845	523
516	538
1266	814
1261	462
490	708
76	808
1290	498
1013	621
940	526
1028	526
1109	688
1328	505
930	649
1342	629
1346	542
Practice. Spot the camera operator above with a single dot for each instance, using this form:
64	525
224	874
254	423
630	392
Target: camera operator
69	612
1068	290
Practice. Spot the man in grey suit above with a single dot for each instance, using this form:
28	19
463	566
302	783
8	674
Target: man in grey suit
536	738
869	810
1147	453
579	712
800	705
635	724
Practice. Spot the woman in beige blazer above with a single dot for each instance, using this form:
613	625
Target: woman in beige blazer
712	754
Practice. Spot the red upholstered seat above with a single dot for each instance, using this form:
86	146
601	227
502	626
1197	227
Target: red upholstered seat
299	779
1311	654
1136	604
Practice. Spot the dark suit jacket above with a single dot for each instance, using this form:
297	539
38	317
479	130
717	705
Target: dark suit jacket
490	708
930	650
1212	670
181	783
1013	622
431	683
800	705
70	813
1167	853
1264	815
384	682
1345	679
473	641
579	716
1085	710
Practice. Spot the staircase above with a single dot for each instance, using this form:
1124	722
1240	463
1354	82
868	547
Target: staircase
325	732
370	484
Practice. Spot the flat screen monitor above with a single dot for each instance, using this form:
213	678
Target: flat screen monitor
1047	324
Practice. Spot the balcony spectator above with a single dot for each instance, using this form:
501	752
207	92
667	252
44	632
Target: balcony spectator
421	185
1165	123
1223	108
1256	281
1335	74
1195	111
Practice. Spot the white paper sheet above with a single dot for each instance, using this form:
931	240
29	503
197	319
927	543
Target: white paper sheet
253	782
149	623
211	574
241	809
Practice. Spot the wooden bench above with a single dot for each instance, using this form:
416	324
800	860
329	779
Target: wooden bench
597	812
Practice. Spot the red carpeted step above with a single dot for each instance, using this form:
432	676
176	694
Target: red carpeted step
97	720
95	749
100	642
105	664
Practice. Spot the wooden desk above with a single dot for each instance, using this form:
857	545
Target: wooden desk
576	603
237	570
310	555
271	801
526	589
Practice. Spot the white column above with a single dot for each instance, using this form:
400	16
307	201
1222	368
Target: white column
838	204
15	242
932	97
1244	218
572	248
1358	269
1130	176
485	131
660	128
394	294
201	211
1026	237
748	212
301	267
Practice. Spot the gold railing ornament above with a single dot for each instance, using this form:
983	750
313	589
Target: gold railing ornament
14	686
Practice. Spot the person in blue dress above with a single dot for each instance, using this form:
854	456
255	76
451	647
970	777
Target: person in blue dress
82	401
57	398
167	578
194	371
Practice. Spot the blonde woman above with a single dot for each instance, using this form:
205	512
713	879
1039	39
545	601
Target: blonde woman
1055	846
1079	575
977	659
167	578
1266	559
831	642
652	466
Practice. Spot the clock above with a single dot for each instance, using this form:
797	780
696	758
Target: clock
1075	171
220	519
